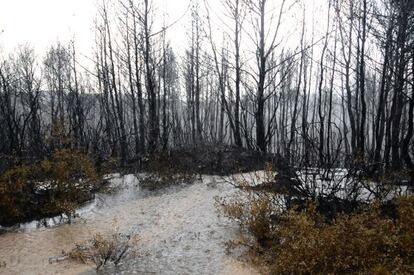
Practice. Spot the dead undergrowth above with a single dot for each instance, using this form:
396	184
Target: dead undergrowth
285	238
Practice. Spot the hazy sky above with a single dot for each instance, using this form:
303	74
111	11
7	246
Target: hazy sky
43	22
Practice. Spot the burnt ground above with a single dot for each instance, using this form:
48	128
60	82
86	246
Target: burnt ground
209	159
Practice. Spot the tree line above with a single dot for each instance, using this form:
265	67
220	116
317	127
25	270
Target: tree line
338	99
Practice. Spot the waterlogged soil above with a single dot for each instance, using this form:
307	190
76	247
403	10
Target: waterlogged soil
179	229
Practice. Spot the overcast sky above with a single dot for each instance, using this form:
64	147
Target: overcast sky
41	23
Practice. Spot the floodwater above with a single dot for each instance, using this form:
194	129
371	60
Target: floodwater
179	229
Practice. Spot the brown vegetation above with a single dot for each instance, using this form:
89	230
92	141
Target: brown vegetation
377	238
163	171
48	188
212	159
103	249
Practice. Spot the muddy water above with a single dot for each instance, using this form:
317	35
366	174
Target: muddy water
180	233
